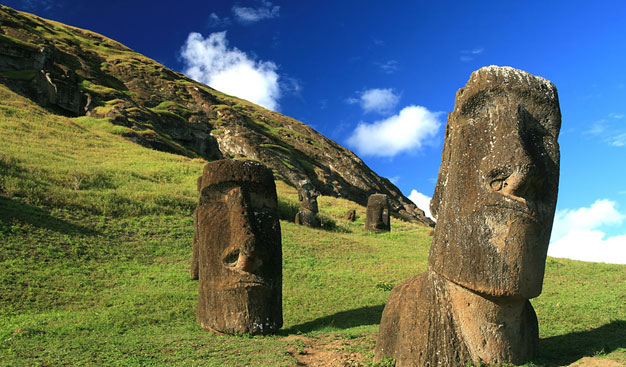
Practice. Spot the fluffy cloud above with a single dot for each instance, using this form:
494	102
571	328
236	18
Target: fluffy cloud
575	234
230	70
376	100
247	15
406	131
422	201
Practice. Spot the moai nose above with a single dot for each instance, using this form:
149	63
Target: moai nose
521	184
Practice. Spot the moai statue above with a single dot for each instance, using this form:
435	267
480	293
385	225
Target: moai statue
350	215
377	215
307	216
239	256
494	203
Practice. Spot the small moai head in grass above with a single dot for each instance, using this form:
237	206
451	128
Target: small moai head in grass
496	192
377	215
307	195
239	252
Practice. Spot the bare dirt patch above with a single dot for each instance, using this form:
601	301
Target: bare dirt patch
329	350
596	362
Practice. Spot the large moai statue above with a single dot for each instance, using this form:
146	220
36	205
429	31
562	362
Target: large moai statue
494	203
307	216
377	214
238	249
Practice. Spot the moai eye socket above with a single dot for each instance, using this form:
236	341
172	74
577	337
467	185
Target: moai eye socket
231	259
497	185
497	178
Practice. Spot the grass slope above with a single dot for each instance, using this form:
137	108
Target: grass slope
95	244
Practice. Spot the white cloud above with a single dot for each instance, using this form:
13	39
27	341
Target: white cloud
388	67
247	15
575	234
406	131
610	129
216	21
230	70
376	100
422	201
619	140
469	55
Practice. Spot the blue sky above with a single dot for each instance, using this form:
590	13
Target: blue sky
380	78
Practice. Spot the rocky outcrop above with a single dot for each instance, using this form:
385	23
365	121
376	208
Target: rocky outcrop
35	72
237	249
77	72
494	203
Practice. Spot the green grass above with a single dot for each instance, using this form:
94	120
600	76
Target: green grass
95	245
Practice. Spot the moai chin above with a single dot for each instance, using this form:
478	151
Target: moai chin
377	214
307	216
238	249
494	203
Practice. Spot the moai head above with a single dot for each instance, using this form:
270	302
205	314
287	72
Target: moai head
239	248
497	187
377	215
308	196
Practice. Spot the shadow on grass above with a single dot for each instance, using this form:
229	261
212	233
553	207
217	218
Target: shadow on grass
11	210
565	349
368	315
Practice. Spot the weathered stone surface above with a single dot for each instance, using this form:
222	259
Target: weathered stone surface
430	321
350	215
377	215
494	203
307	216
239	258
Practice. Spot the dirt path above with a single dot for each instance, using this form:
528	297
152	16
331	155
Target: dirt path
329	350
596	362
338	351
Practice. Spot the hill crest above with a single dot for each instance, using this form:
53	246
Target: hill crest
76	72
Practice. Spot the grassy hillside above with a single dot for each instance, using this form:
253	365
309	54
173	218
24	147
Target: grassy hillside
95	244
76	72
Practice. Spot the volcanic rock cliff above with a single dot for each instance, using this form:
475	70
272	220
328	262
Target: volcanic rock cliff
76	72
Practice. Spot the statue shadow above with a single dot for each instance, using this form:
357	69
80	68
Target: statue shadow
568	348
14	210
368	315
